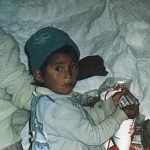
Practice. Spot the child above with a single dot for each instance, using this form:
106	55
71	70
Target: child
58	120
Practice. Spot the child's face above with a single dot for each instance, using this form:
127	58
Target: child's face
61	73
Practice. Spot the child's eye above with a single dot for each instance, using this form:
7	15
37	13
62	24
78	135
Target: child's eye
59	68
74	66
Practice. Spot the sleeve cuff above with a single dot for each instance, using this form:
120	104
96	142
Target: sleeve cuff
119	116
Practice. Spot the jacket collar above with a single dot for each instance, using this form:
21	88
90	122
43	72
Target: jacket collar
46	91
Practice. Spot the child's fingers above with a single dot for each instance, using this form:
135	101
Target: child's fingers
119	87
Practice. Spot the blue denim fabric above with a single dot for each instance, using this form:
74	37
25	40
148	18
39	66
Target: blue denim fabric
40	146
38	138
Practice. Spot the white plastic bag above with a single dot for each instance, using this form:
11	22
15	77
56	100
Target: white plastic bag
122	137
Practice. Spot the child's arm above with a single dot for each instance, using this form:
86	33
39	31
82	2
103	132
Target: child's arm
69	121
102	109
97	108
13	75
75	126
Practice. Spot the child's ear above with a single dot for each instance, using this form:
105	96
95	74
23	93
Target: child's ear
37	75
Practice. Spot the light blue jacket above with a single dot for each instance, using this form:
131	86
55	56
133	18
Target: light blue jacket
69	125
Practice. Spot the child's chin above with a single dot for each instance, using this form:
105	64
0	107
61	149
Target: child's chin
64	92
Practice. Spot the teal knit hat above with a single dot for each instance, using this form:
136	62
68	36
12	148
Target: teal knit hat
44	42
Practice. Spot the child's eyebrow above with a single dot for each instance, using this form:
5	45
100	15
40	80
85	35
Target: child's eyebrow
59	63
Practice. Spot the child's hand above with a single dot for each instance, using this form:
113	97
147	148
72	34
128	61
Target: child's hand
131	110
116	97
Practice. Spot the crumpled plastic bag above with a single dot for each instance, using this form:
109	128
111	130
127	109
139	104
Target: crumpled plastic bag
89	98
122	137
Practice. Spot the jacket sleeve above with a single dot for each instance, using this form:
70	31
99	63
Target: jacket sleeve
101	110
13	74
71	123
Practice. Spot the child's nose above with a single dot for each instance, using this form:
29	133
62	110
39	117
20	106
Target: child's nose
68	74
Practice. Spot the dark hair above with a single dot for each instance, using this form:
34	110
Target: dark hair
65	49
